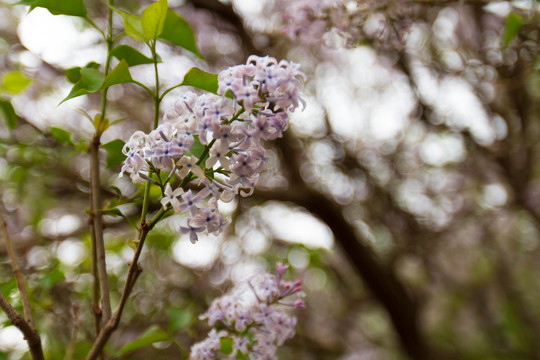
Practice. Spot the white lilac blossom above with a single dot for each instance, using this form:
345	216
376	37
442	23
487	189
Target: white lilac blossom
213	143
256	329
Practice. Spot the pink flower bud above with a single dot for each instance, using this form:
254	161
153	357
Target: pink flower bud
286	286
300	304
281	268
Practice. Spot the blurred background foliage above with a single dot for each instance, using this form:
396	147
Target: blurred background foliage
406	195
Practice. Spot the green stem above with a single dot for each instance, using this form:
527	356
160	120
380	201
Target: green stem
168	91
237	115
146	200
205	152
156	218
157	99
93	24
144	87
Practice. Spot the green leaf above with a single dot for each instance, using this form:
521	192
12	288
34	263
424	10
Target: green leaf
114	152
201	79
130	55
514	22
112	212
90	81
58	7
93	80
132	25
15	82
81	146
7	287
197	148
51	278
119	75
74	74
179	318
153	19
62	136
226	345
117	190
152	335
241	356
7	112
178	31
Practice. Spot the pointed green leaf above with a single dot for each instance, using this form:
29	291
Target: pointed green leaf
153	19
178	31
116	212
58	7
201	79
114	152
15	82
153	335
514	22
112	212
130	55
74	74
119	75
7	112
62	136
132	25
90	81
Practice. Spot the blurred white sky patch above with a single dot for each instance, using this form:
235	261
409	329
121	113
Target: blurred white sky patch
493	196
442	149
60	40
59	225
452	98
199	255
295	225
461	109
12	340
71	252
310	121
365	99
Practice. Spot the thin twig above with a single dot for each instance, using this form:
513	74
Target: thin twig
96	309
73	338
16	270
133	274
100	277
96	205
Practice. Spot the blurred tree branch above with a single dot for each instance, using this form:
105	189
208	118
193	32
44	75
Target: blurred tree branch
30	334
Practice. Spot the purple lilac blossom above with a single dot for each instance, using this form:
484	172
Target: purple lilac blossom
257	328
231	130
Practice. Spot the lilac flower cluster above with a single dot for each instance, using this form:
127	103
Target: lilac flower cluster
216	140
342	22
256	329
